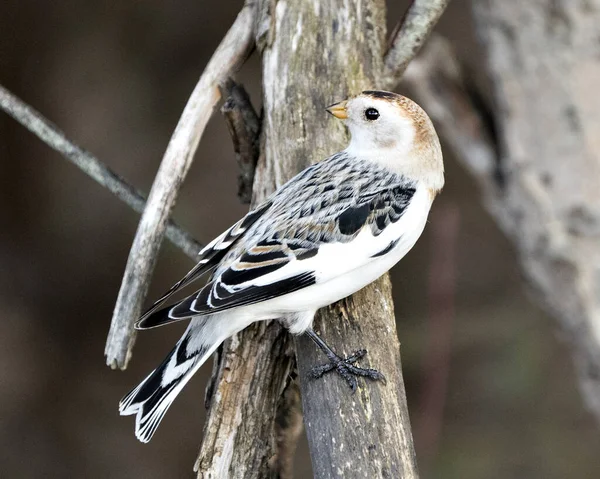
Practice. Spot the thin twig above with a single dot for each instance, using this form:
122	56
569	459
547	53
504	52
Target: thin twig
50	134
244	127
232	51
409	36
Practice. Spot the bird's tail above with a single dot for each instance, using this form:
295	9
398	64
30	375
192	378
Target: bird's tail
151	399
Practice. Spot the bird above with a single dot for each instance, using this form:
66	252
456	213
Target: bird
329	231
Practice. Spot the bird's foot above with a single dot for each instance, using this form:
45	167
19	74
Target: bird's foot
344	367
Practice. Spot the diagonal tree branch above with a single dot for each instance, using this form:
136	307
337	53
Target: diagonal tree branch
409	36
230	54
50	134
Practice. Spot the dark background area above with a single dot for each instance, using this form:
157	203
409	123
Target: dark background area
115	77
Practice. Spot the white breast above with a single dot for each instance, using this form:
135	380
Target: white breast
338	257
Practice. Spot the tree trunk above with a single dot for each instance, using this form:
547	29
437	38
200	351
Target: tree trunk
543	59
314	53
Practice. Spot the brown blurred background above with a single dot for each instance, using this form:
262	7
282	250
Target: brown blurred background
115	77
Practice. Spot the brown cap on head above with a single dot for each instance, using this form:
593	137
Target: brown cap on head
426	150
414	111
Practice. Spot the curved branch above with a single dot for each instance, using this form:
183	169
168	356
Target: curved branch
232	51
50	134
409	36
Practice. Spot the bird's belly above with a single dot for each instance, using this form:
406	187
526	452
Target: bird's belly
323	294
404	233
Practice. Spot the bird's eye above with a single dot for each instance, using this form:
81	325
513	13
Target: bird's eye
371	114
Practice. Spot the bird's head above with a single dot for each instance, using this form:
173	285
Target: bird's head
393	130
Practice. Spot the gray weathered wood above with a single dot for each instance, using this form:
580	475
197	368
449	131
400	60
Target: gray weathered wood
408	37
540	177
366	434
313	54
239	438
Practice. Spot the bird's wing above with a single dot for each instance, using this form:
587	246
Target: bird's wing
313	242
209	258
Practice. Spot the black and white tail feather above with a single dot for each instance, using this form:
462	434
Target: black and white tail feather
151	399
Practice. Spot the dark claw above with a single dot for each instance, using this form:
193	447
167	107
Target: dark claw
344	367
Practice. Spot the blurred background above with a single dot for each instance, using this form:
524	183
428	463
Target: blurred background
115	77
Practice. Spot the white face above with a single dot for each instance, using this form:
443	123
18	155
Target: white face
378	124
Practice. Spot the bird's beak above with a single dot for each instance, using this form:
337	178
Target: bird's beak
338	110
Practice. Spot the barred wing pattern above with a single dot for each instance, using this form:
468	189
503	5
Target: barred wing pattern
329	203
209	258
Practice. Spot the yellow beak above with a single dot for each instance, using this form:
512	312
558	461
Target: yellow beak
338	110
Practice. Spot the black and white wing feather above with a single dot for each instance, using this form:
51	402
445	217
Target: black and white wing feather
209	258
313	230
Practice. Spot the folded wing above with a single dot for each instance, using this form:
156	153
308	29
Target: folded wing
209	258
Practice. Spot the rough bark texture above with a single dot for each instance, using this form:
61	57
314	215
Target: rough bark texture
239	438
536	153
314	53
366	434
543	59
243	124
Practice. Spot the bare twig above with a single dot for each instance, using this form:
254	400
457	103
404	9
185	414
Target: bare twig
232	51
50	134
244	127
409	36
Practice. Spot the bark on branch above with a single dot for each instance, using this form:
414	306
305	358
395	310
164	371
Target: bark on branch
244	127
540	176
232	51
408	37
372	426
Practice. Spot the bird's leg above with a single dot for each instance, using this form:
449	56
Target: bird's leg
343	366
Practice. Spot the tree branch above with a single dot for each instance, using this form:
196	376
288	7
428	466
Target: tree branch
547	206
232	51
254	372
244	127
409	36
50	134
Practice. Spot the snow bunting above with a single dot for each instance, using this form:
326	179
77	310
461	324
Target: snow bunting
325	234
